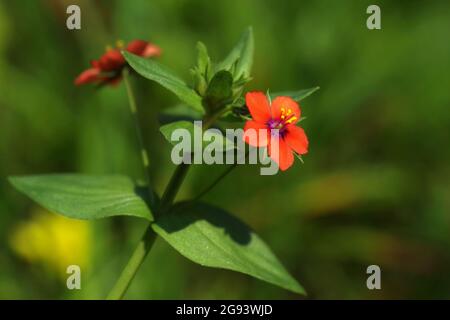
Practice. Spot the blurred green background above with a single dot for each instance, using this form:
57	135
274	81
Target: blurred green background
374	188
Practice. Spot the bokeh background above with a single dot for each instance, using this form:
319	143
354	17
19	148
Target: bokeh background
374	188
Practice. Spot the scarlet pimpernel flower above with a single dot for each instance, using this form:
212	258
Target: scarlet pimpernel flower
107	69
276	121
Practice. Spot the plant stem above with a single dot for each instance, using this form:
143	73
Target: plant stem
219	178
173	187
143	151
215	182
145	244
143	248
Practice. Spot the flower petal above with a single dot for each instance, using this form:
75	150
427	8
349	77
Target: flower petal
88	76
258	105
282	155
95	64
256	134
287	103
143	48
296	138
111	60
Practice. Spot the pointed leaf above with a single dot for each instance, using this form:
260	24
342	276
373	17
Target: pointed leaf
219	90
213	139
177	113
296	95
203	60
157	72
85	197
211	237
241	54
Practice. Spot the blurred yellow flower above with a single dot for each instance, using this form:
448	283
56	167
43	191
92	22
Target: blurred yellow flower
53	241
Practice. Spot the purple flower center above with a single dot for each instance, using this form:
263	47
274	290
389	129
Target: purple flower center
278	125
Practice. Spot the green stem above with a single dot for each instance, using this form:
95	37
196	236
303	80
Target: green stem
147	240
215	182
173	187
145	244
143	150
218	179
143	248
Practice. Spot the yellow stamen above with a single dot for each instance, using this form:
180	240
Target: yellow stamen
120	44
292	119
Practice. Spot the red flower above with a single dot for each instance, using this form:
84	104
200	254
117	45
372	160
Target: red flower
282	115
107	69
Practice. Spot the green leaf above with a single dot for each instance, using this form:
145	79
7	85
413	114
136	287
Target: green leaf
296	95
177	113
157	72
201	73
199	82
85	197
203	60
211	138
211	237
219	90
231	118
241	56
